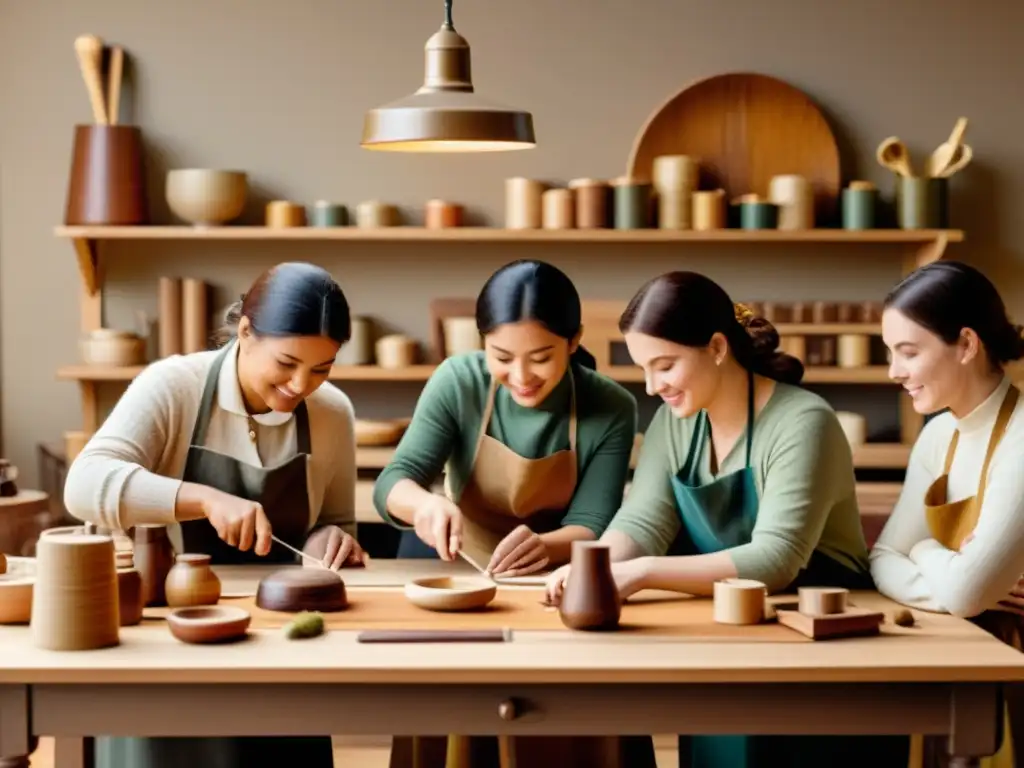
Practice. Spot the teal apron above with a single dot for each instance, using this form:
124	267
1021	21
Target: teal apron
721	515
283	494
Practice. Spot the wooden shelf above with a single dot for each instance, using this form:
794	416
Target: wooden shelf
828	329
875	374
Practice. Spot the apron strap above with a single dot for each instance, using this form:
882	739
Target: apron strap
302	440
750	415
696	449
572	412
951	450
1005	412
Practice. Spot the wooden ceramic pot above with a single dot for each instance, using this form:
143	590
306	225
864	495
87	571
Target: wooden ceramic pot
129	589
192	582
590	600
153	557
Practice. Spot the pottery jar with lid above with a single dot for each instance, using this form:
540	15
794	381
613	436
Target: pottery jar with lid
590	600
153	556
192	582
129	589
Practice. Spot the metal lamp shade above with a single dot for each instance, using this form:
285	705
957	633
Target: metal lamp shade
445	115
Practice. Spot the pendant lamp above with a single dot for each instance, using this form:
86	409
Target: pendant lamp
445	115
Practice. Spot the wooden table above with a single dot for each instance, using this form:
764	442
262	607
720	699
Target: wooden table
943	676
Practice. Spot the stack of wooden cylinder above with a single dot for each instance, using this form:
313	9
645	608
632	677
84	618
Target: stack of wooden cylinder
183	316
675	179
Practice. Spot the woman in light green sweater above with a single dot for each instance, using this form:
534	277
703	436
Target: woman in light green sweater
742	474
536	443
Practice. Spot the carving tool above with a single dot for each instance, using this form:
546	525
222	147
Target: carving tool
298	552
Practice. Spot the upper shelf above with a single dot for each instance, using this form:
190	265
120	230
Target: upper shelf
929	244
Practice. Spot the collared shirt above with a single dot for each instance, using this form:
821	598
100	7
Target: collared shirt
130	471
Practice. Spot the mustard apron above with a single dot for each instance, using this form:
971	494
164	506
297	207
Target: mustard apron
282	492
505	490
721	515
950	522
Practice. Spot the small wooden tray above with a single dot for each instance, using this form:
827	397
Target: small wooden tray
854	622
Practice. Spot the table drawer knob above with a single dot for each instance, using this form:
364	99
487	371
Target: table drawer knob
507	710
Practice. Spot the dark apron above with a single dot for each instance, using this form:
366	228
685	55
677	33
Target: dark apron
721	515
284	496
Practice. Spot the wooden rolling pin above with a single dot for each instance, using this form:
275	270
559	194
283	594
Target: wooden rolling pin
89	50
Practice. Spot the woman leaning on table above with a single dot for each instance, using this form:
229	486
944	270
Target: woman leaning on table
225	448
741	474
955	540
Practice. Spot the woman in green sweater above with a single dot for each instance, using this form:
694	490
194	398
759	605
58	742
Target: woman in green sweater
535	442
742	474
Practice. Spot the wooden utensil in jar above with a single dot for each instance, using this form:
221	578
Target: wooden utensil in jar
89	50
115	68
893	154
961	159
946	152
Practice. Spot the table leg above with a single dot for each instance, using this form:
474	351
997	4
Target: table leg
976	724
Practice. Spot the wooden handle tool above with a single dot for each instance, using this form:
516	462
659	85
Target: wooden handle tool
89	50
435	636
959	161
115	68
946	153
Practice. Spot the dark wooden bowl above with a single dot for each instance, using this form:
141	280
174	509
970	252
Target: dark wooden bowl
302	589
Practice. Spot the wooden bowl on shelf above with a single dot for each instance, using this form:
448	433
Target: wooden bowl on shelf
447	593
378	433
209	623
106	346
204	197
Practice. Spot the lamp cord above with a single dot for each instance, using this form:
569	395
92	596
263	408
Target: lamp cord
448	15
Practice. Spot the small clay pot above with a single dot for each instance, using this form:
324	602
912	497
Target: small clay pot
590	600
192	582
129	590
153	557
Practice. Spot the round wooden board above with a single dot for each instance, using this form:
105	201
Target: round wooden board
744	129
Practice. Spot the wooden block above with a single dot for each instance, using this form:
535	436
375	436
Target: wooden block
854	622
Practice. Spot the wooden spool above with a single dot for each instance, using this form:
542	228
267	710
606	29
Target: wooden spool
739	601
822	601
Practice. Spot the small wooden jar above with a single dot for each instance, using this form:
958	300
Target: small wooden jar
523	203
282	214
396	351
593	203
373	214
439	214
129	589
461	335
559	209
708	210
192	582
110	347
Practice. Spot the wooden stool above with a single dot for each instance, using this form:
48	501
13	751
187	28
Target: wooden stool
21	518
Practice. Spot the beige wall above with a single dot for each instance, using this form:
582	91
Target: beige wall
279	89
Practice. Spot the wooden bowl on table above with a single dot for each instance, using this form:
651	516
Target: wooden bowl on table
292	590
447	593
209	623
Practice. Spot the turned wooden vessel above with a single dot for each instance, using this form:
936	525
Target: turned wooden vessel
209	624
191	582
154	558
302	589
591	599
129	590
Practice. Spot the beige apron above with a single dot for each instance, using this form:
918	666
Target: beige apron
505	490
950	522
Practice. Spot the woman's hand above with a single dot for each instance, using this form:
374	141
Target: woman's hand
438	523
238	522
630	577
335	548
519	553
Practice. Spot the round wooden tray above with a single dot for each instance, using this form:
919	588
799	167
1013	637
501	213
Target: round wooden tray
744	129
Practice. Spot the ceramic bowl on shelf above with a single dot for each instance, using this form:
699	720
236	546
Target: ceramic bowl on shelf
209	623
205	197
446	593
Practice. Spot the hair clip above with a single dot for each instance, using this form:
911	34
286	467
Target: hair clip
743	312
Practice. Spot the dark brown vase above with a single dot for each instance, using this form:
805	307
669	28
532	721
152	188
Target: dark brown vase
590	600
154	558
129	590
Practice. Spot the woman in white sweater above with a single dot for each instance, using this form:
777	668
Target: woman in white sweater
225	448
955	540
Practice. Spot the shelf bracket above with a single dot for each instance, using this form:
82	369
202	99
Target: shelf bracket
88	263
931	251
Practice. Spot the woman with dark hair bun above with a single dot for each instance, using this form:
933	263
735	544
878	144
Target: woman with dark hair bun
742	474
536	442
226	448
954	542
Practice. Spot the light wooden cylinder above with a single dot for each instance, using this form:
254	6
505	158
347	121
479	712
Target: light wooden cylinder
523	206
822	601
795	197
593	203
358	350
439	214
461	335
74	442
373	214
675	209
559	209
854	426
194	312
853	350
169	311
283	214
672	173
708	210
739	601
75	600
795	346
396	351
